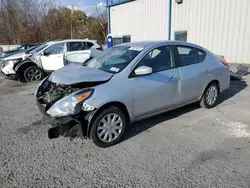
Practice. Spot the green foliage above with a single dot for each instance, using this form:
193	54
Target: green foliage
30	21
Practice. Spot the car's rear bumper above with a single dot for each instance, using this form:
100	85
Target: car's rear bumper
224	81
69	126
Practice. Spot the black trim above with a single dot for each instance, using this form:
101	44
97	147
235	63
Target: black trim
176	56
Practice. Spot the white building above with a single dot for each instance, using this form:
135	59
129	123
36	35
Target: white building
222	26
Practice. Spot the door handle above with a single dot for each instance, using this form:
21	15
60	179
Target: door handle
173	78
208	71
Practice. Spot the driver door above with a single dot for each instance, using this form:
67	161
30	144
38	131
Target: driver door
160	90
53	57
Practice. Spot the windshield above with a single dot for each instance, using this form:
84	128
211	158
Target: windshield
38	49
115	59
16	49
30	49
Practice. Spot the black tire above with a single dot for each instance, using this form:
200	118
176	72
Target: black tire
204	103
33	73
94	129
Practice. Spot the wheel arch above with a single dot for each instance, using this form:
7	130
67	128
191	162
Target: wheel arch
23	65
213	81
216	82
117	104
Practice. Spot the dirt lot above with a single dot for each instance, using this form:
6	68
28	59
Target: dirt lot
188	147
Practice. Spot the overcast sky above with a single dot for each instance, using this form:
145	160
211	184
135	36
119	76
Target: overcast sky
88	6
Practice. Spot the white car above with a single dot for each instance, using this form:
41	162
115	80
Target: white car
11	65
52	56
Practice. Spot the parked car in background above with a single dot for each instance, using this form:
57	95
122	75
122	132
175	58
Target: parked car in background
13	65
50	57
17	50
127	83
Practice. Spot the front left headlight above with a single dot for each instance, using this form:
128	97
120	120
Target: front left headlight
39	85
71	104
11	62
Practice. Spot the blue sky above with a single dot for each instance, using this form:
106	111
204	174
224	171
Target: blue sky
87	6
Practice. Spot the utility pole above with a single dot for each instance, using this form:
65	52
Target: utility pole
71	22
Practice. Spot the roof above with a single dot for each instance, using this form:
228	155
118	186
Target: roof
75	40
156	43
70	40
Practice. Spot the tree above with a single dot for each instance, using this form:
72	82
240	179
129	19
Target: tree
32	21
101	15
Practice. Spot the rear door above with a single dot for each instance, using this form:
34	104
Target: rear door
194	72
161	89
53	57
77	51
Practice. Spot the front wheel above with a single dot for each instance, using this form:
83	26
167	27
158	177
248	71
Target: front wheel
210	96
33	73
108	127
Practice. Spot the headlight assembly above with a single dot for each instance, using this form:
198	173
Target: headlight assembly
39	85
71	104
11	62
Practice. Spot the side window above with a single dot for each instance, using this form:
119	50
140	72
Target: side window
189	55
27	47
158	59
22	48
89	44
55	49
76	46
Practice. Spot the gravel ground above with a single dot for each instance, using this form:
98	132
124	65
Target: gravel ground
188	147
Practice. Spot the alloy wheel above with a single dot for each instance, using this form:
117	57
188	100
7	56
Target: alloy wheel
34	75
211	95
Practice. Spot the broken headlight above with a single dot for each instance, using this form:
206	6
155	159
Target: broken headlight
39	85
11	62
70	104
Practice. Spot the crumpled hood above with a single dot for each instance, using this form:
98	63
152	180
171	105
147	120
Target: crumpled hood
20	55
76	73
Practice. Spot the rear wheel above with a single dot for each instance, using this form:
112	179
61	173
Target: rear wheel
33	73
210	96
108	127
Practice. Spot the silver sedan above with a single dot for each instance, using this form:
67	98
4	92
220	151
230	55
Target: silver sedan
127	83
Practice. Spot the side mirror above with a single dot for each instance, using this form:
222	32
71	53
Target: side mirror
45	53
143	70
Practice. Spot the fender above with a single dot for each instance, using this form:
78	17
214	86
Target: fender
27	61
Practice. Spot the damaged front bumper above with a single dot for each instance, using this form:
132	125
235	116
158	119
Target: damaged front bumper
8	72
69	126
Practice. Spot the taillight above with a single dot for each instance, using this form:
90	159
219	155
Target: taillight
100	48
226	64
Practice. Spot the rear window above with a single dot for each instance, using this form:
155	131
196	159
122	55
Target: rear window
89	44
76	46
190	55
